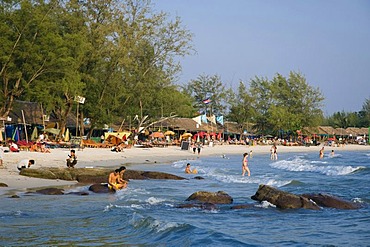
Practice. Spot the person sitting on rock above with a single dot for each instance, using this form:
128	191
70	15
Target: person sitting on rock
115	181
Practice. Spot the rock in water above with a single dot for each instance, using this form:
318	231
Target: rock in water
282	199
50	191
324	200
100	188
219	197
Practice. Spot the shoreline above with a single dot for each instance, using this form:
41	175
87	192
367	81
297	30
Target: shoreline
105	158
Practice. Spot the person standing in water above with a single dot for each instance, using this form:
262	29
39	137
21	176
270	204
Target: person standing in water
322	153
245	167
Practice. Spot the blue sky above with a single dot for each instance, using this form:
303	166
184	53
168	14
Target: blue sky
328	41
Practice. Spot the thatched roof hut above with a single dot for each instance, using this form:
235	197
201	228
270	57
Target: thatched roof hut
340	132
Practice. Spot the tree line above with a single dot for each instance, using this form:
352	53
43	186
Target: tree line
123	57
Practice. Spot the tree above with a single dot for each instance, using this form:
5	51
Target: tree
286	104
241	110
27	47
364	114
208	88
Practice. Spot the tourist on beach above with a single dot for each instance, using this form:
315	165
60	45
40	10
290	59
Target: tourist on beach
25	164
44	149
1	156
332	153
199	147
251	154
194	147
115	180
72	159
188	169
322	153
273	151
13	147
245	167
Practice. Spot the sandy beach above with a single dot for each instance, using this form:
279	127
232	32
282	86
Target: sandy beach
99	157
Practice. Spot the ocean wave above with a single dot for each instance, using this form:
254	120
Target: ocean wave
300	165
295	183
155	201
151	224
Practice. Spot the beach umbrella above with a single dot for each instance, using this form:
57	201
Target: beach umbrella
66	135
186	135
157	135
169	133
34	134
52	131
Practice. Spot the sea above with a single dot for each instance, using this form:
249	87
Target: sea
147	213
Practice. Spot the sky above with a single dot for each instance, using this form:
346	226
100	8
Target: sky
327	41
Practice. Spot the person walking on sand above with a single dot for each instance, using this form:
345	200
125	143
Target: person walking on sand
245	167
199	147
194	147
321	153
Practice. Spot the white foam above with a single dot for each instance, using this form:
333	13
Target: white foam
162	226
300	165
154	201
265	204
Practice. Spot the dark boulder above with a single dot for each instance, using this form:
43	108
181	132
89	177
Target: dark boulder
242	206
79	193
219	197
282	199
324	200
50	191
92	175
158	175
198	178
3	185
205	206
100	188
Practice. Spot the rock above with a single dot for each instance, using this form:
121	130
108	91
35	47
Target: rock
80	193
14	196
100	188
206	206
219	197
158	175
242	206
282	199
324	200
88	179
50	191
3	185
92	175
198	177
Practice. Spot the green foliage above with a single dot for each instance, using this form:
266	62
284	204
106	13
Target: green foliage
208	87
119	55
285	103
350	119
241	109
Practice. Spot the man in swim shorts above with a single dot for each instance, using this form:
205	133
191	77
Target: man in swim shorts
115	181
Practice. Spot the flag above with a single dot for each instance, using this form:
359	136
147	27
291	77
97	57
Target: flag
207	101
